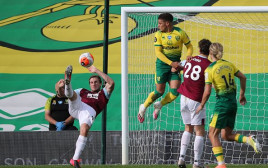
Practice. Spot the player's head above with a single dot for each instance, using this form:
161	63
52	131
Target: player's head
165	22
59	87
204	45
216	50
95	83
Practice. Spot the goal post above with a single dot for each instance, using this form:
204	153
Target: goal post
243	31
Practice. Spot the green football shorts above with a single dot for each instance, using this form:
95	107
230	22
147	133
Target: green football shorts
163	74
224	113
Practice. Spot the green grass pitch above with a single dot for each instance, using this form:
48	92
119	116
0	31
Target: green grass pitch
132	166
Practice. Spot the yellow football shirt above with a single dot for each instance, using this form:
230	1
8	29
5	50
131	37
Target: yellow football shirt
221	74
172	42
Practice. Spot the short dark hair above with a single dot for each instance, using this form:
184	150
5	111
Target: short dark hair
204	46
95	76
166	17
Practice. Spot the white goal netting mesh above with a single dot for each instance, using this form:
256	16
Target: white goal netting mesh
244	37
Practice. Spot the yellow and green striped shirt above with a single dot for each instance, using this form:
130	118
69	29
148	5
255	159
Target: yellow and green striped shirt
172	42
221	74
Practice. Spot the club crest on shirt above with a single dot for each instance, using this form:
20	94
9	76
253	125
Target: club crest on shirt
169	37
169	42
60	102
94	96
54	102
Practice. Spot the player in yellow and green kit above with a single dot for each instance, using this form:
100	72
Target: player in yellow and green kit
168	44
221	74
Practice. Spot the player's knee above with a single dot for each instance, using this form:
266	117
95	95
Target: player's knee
226	136
213	133
189	128
84	129
200	131
210	135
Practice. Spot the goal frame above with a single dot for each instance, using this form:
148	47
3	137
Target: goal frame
124	50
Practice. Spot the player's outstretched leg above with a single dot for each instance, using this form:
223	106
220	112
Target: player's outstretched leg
141	113
181	164
252	141
68	74
75	163
68	87
157	108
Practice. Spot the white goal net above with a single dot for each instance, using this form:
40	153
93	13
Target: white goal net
244	36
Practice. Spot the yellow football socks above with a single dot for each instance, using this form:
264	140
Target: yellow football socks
150	99
168	98
240	138
218	152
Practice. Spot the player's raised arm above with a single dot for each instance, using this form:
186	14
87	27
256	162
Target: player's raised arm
109	81
190	49
159	54
189	46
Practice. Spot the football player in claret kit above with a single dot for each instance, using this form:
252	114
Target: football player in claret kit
191	91
85	105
